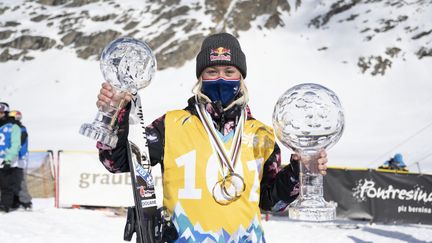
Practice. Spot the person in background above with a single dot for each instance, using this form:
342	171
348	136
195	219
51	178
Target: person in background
193	147
395	163
10	174
24	198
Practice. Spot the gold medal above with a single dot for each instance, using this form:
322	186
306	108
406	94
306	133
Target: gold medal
233	185
219	195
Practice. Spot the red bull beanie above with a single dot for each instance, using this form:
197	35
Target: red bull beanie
220	49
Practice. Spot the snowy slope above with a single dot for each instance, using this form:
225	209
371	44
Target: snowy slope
56	91
49	225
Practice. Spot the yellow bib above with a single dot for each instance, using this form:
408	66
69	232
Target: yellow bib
191	170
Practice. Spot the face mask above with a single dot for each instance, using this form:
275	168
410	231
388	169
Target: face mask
221	90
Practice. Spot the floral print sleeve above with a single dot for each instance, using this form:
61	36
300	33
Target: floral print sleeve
279	185
115	159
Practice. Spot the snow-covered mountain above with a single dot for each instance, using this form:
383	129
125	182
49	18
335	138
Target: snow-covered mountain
376	55
175	28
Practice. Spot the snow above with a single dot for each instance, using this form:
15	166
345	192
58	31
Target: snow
56	92
46	224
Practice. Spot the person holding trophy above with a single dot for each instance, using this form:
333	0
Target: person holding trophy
220	165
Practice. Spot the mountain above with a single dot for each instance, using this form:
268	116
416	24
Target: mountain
374	54
175	28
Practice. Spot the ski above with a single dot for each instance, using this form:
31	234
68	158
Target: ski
143	219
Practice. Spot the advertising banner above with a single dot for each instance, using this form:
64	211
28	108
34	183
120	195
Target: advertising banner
83	180
379	196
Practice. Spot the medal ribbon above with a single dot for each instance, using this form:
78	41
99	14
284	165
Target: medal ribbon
217	144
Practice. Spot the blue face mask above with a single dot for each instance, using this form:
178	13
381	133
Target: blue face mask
221	90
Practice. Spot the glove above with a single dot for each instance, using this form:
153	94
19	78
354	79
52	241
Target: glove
6	164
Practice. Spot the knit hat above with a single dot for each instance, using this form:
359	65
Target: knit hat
16	114
220	49
4	107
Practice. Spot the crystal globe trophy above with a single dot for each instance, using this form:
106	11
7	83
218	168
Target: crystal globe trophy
128	65
307	118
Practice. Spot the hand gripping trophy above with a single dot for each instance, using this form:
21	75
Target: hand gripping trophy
306	118
128	65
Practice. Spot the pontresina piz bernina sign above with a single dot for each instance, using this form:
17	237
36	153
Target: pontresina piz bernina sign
380	196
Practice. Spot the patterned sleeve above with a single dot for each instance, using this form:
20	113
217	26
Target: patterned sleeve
115	159
279	185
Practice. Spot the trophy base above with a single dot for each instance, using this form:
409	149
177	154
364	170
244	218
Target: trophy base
100	134
312	209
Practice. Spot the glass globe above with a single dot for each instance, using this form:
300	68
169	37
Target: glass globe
128	64
308	117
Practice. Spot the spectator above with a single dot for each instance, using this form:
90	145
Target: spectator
395	163
10	174
24	198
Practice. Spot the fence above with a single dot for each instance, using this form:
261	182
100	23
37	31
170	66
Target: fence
40	174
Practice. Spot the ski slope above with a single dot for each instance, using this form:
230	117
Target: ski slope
46	224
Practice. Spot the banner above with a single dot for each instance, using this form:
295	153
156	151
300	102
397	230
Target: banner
83	180
380	196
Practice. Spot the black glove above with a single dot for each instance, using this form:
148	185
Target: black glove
6	164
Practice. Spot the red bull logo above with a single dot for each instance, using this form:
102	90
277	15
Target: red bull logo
220	54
